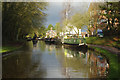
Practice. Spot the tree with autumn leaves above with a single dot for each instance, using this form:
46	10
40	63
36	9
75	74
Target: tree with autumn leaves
113	17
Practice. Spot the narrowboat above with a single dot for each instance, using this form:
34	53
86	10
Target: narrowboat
75	41
50	40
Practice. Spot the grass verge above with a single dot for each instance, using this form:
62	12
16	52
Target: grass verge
11	46
8	48
106	41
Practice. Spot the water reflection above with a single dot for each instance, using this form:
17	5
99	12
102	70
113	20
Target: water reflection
93	64
54	61
75	53
98	65
35	45
22	64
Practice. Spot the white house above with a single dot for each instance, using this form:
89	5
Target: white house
51	33
73	31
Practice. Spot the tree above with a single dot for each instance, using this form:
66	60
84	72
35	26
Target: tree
79	20
42	31
112	14
93	11
22	18
49	27
66	15
58	28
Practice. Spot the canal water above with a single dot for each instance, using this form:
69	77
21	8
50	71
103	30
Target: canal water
53	61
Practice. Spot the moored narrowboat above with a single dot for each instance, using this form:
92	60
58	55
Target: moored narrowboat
75	41
50	40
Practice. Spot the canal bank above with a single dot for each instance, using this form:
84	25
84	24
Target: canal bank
111	41
11	46
113	59
113	50
109	47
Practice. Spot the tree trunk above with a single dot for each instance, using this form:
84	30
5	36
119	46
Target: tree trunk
19	29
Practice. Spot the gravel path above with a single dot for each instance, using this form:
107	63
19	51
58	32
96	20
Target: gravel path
111	49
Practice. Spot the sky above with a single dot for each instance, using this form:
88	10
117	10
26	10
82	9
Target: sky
54	11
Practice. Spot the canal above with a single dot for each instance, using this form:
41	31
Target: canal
53	61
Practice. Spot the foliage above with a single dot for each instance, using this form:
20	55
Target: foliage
20	18
65	23
42	31
79	20
49	27
94	10
58	28
112	14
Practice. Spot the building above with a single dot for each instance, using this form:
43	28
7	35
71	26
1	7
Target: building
51	33
84	34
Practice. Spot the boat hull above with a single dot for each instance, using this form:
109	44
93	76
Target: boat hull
75	41
50	40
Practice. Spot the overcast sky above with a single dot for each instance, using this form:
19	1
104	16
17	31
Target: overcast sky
54	11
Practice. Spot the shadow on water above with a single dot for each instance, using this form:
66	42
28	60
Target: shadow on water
35	43
23	63
81	49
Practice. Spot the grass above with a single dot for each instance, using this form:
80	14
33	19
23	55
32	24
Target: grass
8	48
107	41
113	62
